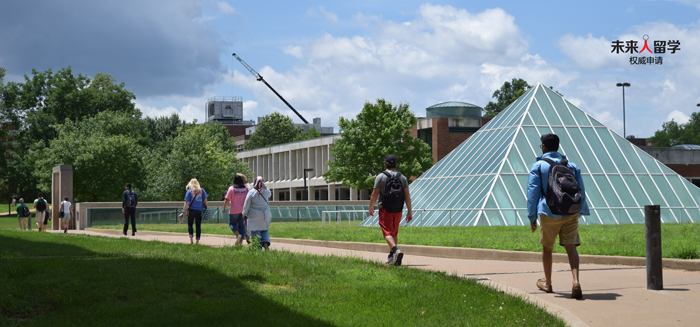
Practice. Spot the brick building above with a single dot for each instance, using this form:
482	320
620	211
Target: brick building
447	125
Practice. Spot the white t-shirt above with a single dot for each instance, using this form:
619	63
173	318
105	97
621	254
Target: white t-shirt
65	206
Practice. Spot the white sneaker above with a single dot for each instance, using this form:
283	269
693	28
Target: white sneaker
398	255
390	260
239	240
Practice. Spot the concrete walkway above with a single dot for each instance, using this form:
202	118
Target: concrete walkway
613	295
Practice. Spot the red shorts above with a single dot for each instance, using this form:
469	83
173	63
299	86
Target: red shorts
389	222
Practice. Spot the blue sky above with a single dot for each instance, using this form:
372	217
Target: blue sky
328	58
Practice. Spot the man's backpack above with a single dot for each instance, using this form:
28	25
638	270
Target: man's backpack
563	192
130	199
25	210
394	196
41	205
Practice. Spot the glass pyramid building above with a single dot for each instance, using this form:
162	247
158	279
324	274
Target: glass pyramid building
484	180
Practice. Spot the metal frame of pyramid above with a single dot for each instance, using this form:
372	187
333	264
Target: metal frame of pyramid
484	180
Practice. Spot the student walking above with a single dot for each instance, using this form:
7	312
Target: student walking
14	205
129	202
556	194
195	203
41	215
391	188
236	196
256	209
22	213
65	212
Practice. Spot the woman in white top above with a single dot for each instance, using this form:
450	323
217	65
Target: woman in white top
67	210
257	210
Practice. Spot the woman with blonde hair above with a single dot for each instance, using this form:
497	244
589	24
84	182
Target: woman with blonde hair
257	210
195	203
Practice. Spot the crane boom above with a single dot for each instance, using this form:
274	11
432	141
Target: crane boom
260	78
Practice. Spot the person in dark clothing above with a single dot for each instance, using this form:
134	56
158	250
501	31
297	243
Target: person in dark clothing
129	202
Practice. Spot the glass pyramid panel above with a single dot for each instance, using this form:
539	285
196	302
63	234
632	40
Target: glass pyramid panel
483	182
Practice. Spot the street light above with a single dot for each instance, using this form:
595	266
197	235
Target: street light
624	125
306	192
624	131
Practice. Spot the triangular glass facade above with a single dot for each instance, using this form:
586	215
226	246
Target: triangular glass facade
484	180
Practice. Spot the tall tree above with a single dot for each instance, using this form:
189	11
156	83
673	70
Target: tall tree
205	152
673	133
378	130
507	94
274	129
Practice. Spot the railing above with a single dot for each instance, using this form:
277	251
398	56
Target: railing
338	218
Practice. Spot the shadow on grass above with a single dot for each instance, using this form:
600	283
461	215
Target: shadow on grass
48	283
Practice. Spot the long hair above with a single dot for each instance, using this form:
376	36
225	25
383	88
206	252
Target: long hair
194	186
239	181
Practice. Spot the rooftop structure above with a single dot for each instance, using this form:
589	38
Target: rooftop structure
484	180
226	110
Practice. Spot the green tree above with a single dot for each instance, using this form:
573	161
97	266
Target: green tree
105	151
205	152
274	129
673	133
378	130
507	94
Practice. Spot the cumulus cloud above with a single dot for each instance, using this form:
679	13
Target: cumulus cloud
155	47
226	8
322	12
678	117
589	52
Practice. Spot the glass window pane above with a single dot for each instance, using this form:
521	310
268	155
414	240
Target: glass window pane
544	130
536	114
666	190
506	167
592	193
547	108
650	188
629	151
665	169
677	184
607	190
514	190
599	150
522	182
579	115
613	150
596	123
588	159
529	146
636	190
501	196
516	162
649	162
560	107
622	191
527	120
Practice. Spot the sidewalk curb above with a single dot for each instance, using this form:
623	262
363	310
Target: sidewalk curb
461	253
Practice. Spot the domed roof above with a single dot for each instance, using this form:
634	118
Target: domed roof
453	109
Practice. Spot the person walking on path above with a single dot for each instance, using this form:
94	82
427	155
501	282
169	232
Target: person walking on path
41	215
129	202
22	214
391	188
236	196
195	203
256	209
65	212
14	205
555	193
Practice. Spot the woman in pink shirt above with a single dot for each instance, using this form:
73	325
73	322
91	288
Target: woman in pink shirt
236	196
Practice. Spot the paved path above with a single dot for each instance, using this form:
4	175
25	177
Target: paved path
612	295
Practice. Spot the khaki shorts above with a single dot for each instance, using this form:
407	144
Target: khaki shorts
40	217
566	228
66	216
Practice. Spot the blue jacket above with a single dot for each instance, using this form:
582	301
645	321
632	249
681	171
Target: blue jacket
537	187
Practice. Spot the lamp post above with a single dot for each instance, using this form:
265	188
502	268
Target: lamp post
306	192
624	130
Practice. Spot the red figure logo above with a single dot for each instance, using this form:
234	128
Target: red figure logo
646	45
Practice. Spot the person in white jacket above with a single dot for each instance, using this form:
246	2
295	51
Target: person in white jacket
256	210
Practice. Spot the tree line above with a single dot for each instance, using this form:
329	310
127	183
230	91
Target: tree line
59	118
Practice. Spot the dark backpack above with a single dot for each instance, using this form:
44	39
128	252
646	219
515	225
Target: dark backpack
130	199
394	195
563	192
25	210
41	205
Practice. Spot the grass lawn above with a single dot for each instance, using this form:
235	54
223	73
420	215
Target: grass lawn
77	280
678	240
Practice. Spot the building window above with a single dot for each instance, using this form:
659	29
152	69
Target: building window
426	135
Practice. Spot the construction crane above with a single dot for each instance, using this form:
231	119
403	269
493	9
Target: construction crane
260	78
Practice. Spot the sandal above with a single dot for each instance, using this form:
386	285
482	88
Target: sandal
542	284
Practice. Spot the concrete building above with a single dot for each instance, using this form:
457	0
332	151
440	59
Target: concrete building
684	162
284	168
447	125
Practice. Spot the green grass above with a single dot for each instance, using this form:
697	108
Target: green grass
678	240
77	280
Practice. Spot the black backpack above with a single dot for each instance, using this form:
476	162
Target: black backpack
41	205
130	199
25	210
563	192
394	195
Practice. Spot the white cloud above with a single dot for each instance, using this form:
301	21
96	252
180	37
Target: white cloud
678	116
693	3
226	8
322	12
294	51
589	52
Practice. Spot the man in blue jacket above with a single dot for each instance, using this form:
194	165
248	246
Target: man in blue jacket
552	225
